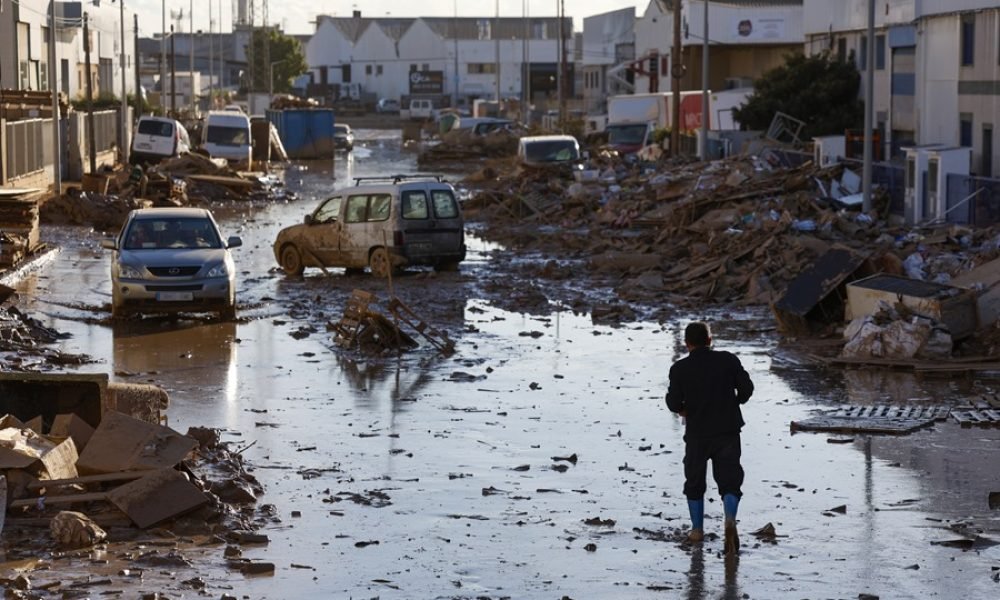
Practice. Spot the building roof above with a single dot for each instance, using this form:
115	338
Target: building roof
463	28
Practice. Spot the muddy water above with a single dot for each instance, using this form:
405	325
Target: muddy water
430	477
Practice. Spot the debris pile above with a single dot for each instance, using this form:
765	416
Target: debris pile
370	332
736	231
896	332
80	482
285	101
192	179
462	145
19	235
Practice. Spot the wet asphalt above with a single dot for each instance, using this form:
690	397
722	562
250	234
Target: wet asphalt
536	462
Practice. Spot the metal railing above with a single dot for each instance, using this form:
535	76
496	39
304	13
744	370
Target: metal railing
27	149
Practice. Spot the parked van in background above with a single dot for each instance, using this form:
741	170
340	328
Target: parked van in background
157	138
421	110
227	135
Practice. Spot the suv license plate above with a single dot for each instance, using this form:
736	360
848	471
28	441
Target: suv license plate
175	296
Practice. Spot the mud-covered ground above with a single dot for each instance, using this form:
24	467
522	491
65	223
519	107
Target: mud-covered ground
536	462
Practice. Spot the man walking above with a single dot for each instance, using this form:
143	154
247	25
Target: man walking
707	387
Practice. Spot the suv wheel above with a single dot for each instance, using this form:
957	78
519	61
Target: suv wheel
379	263
291	261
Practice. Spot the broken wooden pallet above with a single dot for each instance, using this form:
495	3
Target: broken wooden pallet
977	417
346	330
873	419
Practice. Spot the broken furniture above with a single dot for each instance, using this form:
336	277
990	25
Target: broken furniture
365	328
817	294
955	307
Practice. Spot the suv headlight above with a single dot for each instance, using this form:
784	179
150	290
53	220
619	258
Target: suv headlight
218	271
128	272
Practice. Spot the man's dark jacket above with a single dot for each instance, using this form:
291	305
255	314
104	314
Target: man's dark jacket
709	385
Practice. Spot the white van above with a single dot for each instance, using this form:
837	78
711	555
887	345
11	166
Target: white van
227	135
421	109
157	138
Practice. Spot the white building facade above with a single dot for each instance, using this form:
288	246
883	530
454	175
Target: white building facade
937	69
608	43
456	58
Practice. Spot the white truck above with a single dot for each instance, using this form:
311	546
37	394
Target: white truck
632	118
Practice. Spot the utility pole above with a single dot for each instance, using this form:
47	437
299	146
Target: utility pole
173	75
54	88
703	146
567	86
562	83
454	33
676	72
91	141
496	36
138	75
194	92
527	61
866	178
211	60
123	132
222	54
163	55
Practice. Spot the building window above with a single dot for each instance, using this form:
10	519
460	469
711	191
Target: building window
482	68
863	54
965	130
378	69
485	27
368	69
43	76
879	52
968	39
427	67
413	68
842	50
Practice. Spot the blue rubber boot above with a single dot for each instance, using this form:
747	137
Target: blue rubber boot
730	504
697	510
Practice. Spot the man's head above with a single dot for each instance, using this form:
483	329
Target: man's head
697	335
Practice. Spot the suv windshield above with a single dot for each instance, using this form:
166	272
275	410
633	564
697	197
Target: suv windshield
227	136
169	232
554	151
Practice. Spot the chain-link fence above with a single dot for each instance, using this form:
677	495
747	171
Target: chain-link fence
973	200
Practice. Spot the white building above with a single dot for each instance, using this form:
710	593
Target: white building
608	44
24	49
937	71
454	58
747	38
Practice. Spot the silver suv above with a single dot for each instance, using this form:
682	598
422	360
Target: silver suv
383	223
172	260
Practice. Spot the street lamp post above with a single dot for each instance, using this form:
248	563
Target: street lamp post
123	120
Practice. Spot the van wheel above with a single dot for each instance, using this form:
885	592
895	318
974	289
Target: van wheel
291	261
379	263
446	266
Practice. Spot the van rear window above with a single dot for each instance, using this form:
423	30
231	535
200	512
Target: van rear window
160	128
227	136
414	205
444	204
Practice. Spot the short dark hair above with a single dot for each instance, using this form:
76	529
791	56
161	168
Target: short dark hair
697	334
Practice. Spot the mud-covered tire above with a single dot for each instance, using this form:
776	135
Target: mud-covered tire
291	261
378	263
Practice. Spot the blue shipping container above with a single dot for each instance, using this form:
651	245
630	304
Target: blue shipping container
306	132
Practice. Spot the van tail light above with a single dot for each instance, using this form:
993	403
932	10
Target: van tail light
397	238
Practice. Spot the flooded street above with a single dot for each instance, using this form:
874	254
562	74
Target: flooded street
538	461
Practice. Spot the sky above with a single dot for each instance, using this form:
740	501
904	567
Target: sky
297	16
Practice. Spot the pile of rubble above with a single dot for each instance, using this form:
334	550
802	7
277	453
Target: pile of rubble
737	231
462	145
125	482
193	179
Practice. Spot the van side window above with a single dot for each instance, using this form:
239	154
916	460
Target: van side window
414	205
357	206
329	211
444	205
378	207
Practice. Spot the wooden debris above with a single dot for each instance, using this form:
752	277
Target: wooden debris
122	443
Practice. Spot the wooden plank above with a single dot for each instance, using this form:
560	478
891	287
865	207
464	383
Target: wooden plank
158	496
103	478
67	499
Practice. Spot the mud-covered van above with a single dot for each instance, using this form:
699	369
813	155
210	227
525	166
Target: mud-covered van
380	223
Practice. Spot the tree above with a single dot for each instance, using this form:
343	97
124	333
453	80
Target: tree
286	56
821	91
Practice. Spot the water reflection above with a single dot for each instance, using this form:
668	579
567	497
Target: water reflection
192	353
400	381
